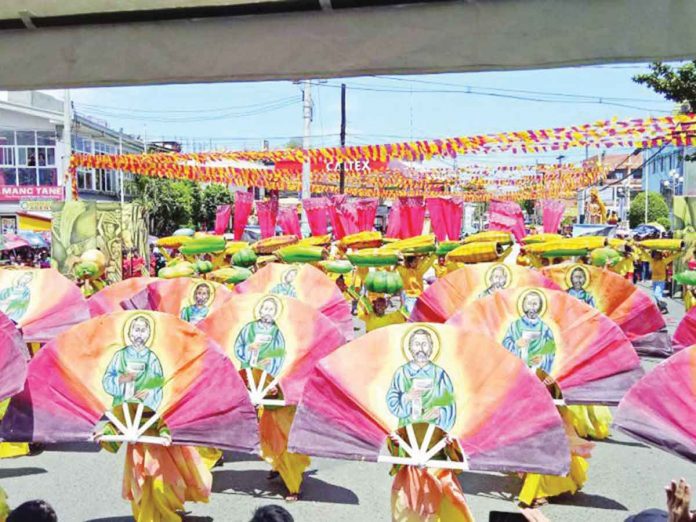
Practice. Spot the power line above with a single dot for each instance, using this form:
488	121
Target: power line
209	109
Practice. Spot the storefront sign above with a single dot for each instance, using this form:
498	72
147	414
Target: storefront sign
16	193
36	205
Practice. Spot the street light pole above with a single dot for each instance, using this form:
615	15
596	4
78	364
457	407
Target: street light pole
306	143
67	144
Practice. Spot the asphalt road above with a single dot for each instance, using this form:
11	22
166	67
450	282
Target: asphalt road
625	477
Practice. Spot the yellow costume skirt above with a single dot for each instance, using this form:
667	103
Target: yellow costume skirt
209	456
428	495
537	486
592	422
9	450
274	429
158	480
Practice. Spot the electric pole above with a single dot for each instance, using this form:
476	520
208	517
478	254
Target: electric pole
67	144
342	180
307	136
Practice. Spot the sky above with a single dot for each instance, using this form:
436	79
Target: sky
379	109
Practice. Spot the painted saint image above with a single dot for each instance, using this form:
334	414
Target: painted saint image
579	281
497	278
260	344
14	300
529	337
135	372
201	298
421	391
286	286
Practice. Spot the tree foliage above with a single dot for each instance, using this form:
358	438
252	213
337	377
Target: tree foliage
657	209
176	204
677	84
213	195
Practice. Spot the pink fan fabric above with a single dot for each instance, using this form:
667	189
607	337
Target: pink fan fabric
268	215
506	215
222	219
437	209
453	218
412	216
394	221
14	357
685	334
242	209
289	221
367	211
552	214
335	202
317	211
660	409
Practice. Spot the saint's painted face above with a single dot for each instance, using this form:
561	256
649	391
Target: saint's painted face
421	346
139	332
290	276
532	305
268	311
202	295
577	278
498	277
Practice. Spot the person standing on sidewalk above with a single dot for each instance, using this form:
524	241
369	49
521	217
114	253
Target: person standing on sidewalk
658	266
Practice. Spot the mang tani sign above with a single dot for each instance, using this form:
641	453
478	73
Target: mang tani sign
16	193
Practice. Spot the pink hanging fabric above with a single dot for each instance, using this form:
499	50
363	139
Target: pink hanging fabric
242	209
222	219
348	216
334	203
506	215
437	209
412	216
394	221
453	218
289	222
367	211
552	214
268	214
317	210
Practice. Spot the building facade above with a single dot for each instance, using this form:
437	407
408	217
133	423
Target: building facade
668	172
32	156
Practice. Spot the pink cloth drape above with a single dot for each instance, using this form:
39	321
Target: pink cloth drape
242	209
334	203
222	219
348	217
289	221
453	218
268	214
552	214
393	220
317	210
367	211
506	215
412	216
437	208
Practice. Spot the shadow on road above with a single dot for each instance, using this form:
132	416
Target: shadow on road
624	443
255	484
503	487
20	472
187	518
581	499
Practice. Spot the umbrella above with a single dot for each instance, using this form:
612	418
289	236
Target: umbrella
109	298
13	359
472	390
586	352
41	302
294	339
12	241
188	298
660	408
34	239
685	334
306	283
457	289
620	300
190	384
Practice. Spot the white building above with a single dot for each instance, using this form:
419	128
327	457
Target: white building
32	151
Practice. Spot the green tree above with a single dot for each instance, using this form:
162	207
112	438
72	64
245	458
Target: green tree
677	84
168	203
213	196
196	204
657	209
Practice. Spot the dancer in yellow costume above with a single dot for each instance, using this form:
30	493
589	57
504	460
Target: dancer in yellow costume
537	488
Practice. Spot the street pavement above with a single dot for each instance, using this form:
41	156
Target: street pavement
625	477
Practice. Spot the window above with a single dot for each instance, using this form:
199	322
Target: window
8	176
27	176
36	164
48	177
